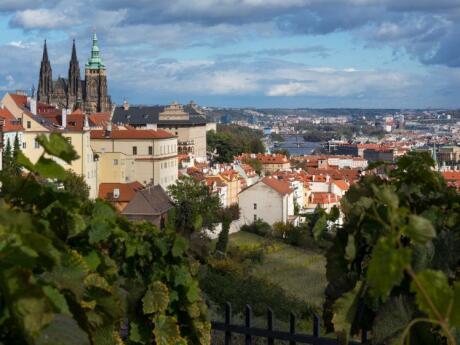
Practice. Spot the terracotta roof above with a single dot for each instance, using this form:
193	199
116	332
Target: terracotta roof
20	100
11	124
323	198
127	191
451	175
341	184
132	134
280	186
99	119
265	158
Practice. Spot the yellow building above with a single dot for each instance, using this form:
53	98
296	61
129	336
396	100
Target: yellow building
25	109
231	179
154	153
116	167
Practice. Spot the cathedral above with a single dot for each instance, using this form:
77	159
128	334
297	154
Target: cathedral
89	95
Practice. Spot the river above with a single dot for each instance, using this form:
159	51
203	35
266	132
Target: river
296	145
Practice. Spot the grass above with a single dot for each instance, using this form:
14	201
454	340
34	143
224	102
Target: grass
300	272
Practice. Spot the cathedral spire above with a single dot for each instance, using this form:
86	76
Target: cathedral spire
74	81
45	53
74	53
45	79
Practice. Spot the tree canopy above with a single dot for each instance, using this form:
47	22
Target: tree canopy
232	140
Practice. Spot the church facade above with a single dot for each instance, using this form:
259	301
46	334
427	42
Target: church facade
90	95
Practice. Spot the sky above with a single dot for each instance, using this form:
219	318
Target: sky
238	53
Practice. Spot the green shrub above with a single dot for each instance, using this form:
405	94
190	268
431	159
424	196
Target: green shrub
259	227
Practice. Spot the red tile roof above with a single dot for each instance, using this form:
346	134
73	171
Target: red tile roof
10	123
280	186
341	184
323	198
127	191
132	134
451	175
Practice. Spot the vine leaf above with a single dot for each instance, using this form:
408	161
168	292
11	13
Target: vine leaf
63	330
344	311
166	331
58	146
156	298
57	299
419	229
391	319
435	287
386	268
48	168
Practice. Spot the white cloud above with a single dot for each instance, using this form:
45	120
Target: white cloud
43	19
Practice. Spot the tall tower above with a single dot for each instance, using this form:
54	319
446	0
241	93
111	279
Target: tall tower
45	80
96	96
74	89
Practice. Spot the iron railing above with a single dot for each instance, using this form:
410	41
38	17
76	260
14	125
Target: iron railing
270	334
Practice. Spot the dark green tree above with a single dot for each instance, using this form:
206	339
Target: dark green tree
393	267
195	206
76	185
7	158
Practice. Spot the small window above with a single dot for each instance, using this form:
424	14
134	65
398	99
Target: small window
115	162
255	218
29	124
36	144
150	150
134	150
255	206
24	145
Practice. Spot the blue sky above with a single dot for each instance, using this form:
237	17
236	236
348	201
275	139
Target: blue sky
262	53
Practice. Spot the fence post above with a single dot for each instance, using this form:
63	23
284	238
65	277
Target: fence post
292	328
228	321
247	324
270	340
363	336
316	325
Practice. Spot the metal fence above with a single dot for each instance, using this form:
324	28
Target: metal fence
270	334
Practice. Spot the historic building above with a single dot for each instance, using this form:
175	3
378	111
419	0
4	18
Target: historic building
89	95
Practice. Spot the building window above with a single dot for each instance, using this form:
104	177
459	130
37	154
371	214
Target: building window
24	145
255	218
69	140
255	206
36	144
150	150
29	124
115	162
134	150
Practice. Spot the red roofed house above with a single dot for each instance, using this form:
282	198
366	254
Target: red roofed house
119	194
153	152
270	200
452	178
10	128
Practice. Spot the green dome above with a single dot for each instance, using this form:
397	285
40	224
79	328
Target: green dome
95	61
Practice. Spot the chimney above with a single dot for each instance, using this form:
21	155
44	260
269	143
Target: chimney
108	130
125	105
116	193
86	123
32	103
64	118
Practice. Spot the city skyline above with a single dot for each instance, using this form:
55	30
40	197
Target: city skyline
295	53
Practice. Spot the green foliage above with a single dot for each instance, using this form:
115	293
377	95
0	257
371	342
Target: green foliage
76	185
195	206
259	227
232	140
10	166
222	240
74	272
255	164
398	247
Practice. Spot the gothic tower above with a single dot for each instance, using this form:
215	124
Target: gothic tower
74	89
96	95
45	81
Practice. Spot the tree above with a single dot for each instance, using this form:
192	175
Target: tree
195	207
393	266
76	185
75	272
255	164
7	159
